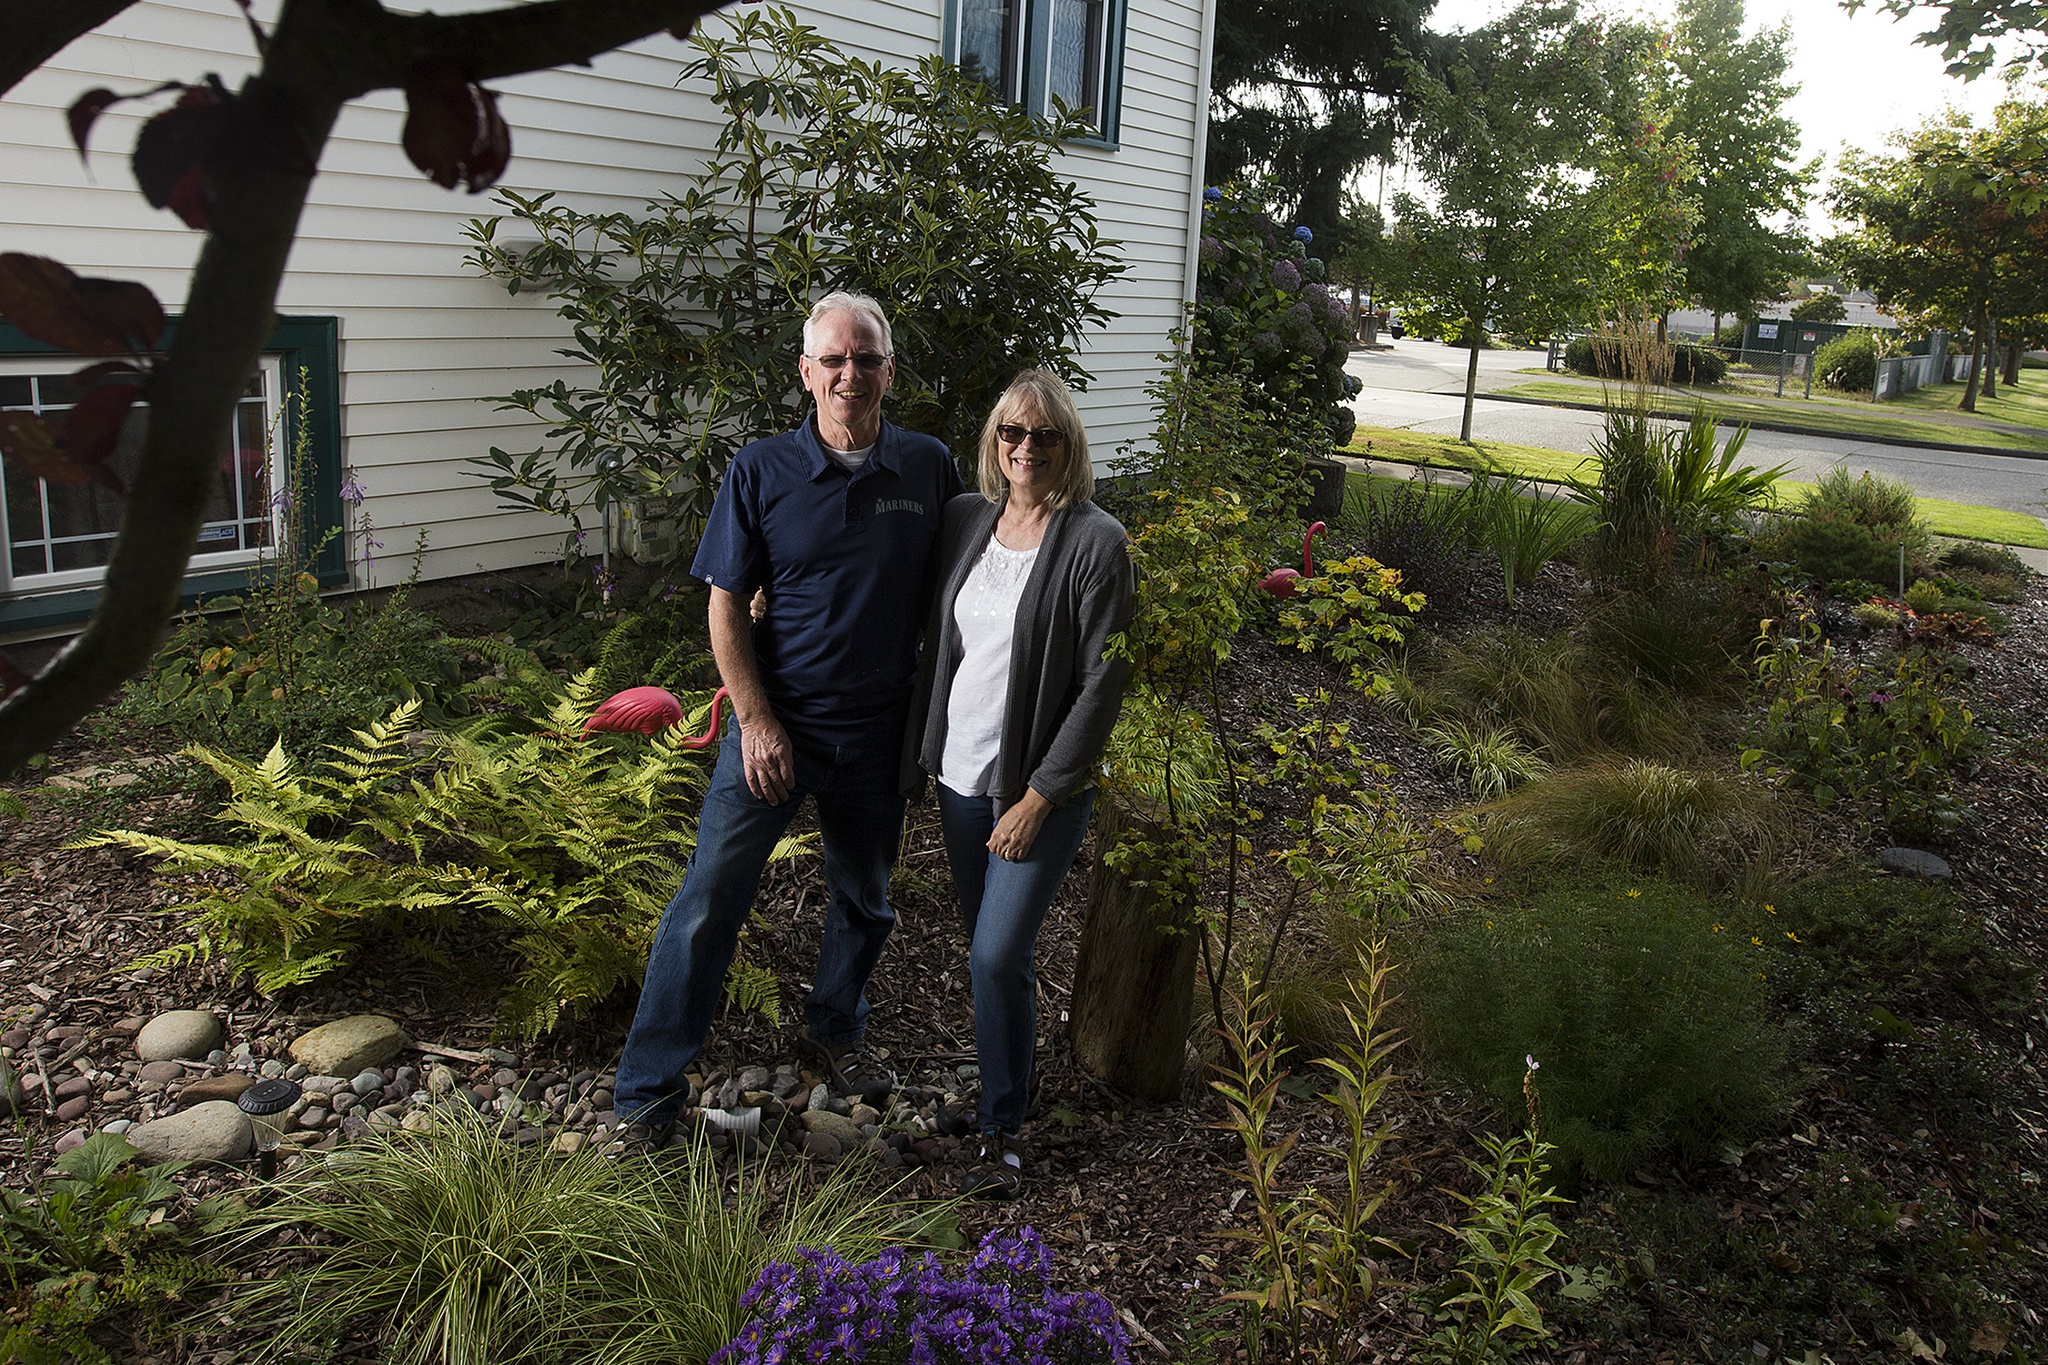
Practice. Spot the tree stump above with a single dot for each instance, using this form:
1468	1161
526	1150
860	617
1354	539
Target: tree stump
1134	984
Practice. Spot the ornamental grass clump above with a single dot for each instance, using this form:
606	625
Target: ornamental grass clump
899	1309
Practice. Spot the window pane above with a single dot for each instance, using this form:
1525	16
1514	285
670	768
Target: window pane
988	43
1074	66
15	391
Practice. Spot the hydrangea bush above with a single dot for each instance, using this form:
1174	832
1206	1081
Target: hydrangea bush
1262	305
896	1310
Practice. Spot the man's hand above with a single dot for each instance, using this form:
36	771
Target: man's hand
1018	830
771	763
764	745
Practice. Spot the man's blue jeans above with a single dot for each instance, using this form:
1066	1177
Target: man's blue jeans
1002	904
860	818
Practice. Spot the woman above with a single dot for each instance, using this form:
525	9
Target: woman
1014	704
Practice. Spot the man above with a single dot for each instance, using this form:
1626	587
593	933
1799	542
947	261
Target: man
837	520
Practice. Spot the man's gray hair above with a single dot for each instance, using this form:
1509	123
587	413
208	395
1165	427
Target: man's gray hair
860	305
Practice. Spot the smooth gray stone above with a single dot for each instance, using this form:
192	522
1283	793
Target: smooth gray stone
214	1131
1914	863
178	1035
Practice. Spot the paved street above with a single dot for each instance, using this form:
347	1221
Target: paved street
1419	385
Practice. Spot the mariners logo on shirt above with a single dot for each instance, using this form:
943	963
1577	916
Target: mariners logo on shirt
898	505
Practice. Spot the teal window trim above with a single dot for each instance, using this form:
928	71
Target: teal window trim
311	344
1036	41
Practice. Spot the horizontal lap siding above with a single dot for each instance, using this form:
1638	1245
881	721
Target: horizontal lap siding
425	342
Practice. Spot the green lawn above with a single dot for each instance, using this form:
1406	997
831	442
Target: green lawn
2025	406
1962	520
1847	418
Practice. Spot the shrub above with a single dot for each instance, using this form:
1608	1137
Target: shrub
1659	486
1643	1008
1870	499
1342	613
1410	526
569	845
1526	532
1650	817
1263	308
1697	365
1889	732
1492	761
1923	597
1686	631
1849	362
455	1245
82	1241
1606	357
916	186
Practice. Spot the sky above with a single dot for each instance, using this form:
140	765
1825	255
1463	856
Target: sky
1860	78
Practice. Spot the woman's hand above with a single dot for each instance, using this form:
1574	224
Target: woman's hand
1018	830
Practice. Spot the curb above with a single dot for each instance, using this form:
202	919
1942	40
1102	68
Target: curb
1783	428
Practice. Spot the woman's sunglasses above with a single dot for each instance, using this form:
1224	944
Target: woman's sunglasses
1039	438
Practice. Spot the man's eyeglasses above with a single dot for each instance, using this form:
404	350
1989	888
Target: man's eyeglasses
868	361
1040	438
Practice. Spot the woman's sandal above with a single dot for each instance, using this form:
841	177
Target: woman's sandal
998	1170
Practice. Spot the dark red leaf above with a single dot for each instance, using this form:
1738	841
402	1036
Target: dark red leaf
174	154
453	130
29	441
683	30
126	308
86	316
84	110
94	424
12	679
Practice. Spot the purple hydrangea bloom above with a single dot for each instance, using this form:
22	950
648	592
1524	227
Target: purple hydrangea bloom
1286	277
1212	251
1266	344
1301	315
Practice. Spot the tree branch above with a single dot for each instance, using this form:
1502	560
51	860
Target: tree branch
39	29
322	53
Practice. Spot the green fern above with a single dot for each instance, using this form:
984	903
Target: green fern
572	844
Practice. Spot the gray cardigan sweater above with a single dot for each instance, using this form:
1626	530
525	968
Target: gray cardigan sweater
1064	696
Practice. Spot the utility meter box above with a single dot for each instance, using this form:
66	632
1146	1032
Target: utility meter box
650	531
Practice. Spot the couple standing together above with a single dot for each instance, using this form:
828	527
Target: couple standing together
866	543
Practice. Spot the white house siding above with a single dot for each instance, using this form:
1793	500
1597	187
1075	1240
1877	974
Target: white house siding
425	343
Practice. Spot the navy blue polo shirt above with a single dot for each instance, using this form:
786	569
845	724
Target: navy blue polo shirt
844	558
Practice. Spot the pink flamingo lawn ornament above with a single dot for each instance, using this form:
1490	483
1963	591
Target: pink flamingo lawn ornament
1281	582
649	710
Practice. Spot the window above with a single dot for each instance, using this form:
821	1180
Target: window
1029	51
57	539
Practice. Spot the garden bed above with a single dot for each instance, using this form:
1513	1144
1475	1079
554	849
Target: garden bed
1889	1205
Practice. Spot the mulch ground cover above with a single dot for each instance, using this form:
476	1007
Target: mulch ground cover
1131	1195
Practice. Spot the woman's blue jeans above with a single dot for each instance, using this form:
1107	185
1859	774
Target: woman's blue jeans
860	821
1001	905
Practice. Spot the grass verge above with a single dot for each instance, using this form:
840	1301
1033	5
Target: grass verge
1958	520
1835	418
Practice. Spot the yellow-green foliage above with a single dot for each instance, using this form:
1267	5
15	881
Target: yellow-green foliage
572	844
1683	823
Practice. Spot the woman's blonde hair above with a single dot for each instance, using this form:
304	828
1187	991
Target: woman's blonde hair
1055	403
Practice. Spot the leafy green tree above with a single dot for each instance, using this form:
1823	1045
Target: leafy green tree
1824	306
1966	31
1646	211
1507	137
916	186
1727	95
1953	226
1304	94
238	165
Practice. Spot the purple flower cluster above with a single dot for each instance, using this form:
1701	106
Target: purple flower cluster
1286	276
894	1310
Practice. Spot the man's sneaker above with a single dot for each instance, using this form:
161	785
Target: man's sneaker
998	1170
636	1140
852	1068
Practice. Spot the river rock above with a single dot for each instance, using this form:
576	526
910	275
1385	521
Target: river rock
207	1088
159	1073
213	1131
838	1127
348	1046
1914	863
822	1147
186	1034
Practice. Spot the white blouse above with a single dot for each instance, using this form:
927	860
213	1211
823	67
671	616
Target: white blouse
985	614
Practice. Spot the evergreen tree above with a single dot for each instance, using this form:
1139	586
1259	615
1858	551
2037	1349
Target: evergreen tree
1303	94
1726	95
